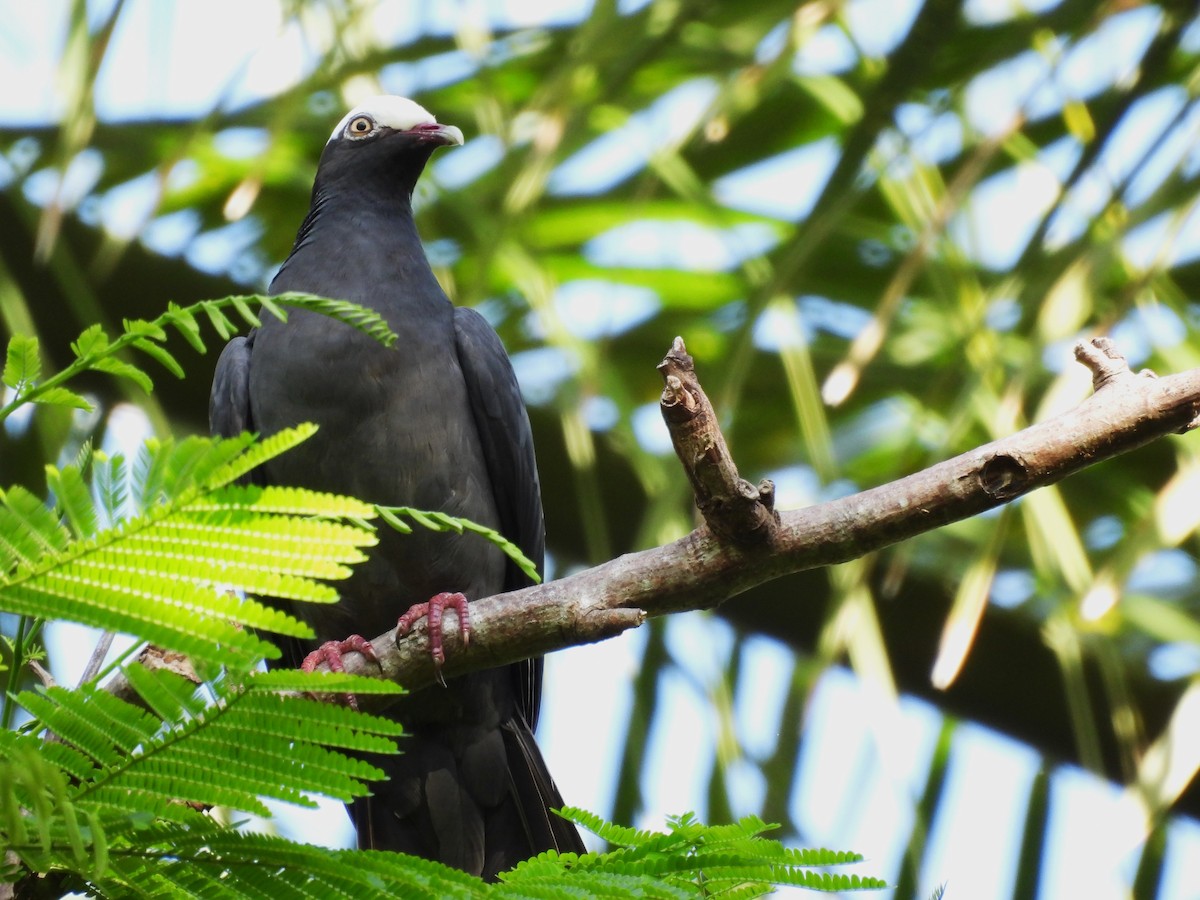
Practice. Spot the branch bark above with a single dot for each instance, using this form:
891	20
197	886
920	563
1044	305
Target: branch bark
744	542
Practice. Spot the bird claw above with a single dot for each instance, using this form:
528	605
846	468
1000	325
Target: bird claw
432	611
331	653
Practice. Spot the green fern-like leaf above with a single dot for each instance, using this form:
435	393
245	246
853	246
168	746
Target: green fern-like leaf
716	860
322	682
440	521
167	574
95	351
263	743
74	499
593	884
362	318
87	803
209	863
29	531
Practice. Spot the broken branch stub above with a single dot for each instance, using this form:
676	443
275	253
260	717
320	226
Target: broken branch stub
733	509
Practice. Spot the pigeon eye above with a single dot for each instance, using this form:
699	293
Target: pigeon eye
360	126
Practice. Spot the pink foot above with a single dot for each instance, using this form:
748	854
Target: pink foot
331	652
433	612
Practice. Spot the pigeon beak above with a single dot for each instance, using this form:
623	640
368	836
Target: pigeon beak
439	134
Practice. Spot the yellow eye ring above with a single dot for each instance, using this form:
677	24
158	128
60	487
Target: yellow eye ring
360	126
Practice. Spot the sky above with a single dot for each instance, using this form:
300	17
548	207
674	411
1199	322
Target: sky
857	785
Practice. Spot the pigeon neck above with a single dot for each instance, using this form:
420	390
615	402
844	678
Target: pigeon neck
389	215
351	242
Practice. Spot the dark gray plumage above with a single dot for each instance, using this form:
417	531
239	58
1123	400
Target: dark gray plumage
435	422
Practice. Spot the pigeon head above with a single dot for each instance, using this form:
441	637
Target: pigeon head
384	142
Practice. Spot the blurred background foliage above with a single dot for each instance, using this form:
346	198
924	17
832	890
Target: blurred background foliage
879	227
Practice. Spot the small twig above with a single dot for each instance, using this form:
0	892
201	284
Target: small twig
42	673
732	507
97	658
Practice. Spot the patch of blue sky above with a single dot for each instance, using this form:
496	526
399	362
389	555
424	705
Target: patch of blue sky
242	142
1004	212
495	310
773	43
730	316
842	320
1093	861
1181	868
1003	314
701	645
1176	147
975	837
1060	157
1109	55
396	22
779	328
860	769
879	26
1164	241
69	187
827	51
746	786
541	370
1189	41
684	245
1145	329
994	98
170	234
125	209
650	431
1011	588
1139	130
183	175
503	14
1173	661
593	309
1060	353
157	49
680	749
31	42
622	151
463	165
785	186
428	73
994	12
1032	84
1077	210
933	136
600	413
760	692
1164	573
23	155
629	7
878	424
1103	532
576	702
795	486
443	251
219	250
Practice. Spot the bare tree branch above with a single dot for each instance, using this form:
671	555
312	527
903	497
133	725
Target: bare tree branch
746	543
